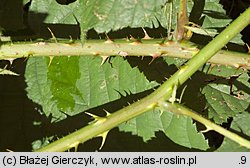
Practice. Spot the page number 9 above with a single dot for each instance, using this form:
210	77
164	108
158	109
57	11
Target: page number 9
243	160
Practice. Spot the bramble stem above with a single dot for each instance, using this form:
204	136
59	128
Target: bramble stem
160	95
153	47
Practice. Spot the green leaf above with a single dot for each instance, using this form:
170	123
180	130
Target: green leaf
178	62
70	85
41	143
117	14
56	13
222	105
230	95
144	125
239	125
201	31
63	74
179	129
182	130
215	19
214	15
223	71
102	15
38	89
